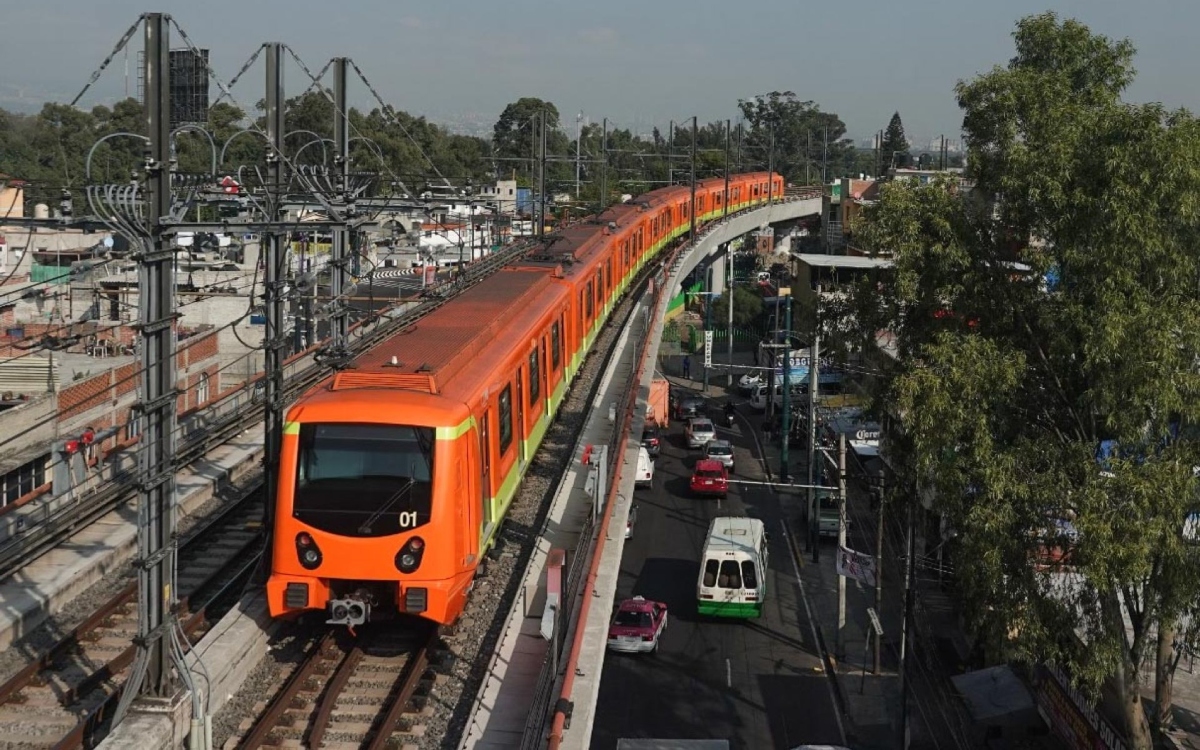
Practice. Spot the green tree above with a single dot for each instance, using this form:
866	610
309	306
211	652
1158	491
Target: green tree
1006	400
894	142
513	134
796	135
747	307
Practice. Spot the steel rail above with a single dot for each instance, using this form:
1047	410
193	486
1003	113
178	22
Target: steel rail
407	683
76	737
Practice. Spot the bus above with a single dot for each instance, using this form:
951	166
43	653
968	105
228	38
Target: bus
733	566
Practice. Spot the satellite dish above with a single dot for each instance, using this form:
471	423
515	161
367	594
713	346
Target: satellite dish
108	242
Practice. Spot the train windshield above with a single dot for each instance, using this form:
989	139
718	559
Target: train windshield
364	480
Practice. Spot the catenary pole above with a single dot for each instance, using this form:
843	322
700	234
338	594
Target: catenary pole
339	255
274	277
604	165
153	674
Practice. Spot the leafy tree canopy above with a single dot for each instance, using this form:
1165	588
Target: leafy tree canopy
1008	387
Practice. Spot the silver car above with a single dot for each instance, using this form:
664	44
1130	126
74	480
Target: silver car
720	450
700	431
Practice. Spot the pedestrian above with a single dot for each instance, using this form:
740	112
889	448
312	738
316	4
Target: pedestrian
687	367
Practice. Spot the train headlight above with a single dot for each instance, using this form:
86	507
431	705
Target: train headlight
308	551
408	559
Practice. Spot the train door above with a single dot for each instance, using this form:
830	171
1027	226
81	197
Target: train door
522	432
485	462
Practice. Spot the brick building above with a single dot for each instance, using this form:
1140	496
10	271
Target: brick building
31	423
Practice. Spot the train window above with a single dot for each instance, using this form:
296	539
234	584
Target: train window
535	377
600	287
555	346
506	420
588	303
364	480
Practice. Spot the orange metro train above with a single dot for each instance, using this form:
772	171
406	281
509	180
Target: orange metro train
397	472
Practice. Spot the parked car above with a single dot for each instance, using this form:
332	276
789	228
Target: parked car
720	450
644	477
689	407
699	431
710	478
651	440
631	521
637	626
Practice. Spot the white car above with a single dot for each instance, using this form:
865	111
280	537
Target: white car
644	477
699	432
748	382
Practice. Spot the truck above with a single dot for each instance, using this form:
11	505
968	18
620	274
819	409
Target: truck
658	403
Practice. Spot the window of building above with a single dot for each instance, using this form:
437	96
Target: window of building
202	389
133	427
535	377
506	420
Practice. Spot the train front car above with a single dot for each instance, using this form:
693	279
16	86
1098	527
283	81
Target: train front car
365	524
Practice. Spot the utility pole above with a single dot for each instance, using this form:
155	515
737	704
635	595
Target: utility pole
692	210
708	303
770	167
741	165
578	141
879	570
786	293
604	165
808	158
341	233
814	356
152	675
904	626
725	199
729	288
671	153
841	580
825	156
273	297
541	212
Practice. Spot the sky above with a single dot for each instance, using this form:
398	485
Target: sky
639	63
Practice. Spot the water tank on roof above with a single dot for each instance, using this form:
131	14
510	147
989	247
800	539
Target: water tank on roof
41	211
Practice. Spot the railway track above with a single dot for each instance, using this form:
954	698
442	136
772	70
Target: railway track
469	642
351	691
61	699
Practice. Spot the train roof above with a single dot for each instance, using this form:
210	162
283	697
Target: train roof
428	355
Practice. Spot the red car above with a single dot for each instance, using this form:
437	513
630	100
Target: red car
637	626
710	478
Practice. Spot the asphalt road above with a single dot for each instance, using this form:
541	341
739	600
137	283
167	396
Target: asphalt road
758	683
